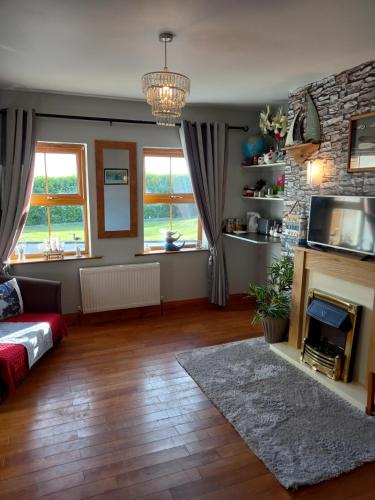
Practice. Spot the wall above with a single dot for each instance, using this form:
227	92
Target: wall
337	98
183	276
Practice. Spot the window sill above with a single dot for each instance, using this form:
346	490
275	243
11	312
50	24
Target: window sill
40	260
164	252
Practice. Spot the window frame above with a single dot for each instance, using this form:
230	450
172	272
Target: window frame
55	199
167	198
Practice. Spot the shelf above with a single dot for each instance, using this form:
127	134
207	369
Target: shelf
301	152
255	238
264	166
263	198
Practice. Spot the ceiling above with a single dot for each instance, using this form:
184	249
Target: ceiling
237	52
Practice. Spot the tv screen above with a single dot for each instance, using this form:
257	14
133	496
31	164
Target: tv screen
343	222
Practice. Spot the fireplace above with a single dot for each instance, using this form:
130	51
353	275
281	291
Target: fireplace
331	328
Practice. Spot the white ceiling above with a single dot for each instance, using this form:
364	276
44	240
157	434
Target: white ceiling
234	51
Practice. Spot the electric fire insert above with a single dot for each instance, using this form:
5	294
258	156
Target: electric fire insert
330	334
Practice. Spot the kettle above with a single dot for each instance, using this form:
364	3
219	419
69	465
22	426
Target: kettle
252	221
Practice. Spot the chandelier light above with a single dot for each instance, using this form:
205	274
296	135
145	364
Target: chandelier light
166	91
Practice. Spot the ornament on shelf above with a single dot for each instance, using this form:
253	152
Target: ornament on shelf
20	250
169	242
53	249
301	142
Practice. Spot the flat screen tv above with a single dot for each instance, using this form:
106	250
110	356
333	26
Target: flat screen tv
343	222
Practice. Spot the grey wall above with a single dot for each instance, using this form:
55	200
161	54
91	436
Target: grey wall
337	98
183	276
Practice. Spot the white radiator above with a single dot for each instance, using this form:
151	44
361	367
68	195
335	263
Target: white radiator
119	287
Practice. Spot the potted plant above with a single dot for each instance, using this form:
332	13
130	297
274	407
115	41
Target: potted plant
273	300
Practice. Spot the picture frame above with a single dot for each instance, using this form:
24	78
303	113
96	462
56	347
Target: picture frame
361	151
116	176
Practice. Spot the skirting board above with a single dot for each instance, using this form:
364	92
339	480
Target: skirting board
236	301
353	392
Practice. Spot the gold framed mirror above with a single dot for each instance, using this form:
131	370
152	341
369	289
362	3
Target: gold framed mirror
116	189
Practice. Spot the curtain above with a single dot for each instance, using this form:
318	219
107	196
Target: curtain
17	149
206	150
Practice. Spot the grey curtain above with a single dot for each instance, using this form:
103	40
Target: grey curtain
17	149
206	150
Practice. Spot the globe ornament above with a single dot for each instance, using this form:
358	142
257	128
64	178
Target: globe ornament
255	145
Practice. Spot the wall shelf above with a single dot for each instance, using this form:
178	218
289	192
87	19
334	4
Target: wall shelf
266	166
301	152
254	238
262	198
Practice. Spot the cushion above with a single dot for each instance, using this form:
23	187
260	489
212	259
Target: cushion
11	303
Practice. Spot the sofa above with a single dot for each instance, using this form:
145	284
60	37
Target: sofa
41	303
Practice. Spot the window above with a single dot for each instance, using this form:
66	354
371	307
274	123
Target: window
168	198
58	201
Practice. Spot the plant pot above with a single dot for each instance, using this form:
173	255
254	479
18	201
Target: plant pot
275	329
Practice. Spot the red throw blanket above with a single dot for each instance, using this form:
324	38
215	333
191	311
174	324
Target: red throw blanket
13	358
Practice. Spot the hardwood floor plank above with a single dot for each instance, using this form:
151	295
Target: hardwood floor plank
264	487
214	483
104	487
153	486
43	488
224	465
154	471
136	463
162	495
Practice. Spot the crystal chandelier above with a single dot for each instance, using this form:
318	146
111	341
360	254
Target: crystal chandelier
166	91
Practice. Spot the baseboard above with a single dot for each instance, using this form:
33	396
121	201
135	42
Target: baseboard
237	301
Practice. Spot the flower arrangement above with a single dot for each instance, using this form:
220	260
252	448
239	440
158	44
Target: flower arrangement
275	126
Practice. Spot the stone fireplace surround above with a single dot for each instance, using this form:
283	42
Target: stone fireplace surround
353	271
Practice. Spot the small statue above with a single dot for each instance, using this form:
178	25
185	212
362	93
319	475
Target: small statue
169	242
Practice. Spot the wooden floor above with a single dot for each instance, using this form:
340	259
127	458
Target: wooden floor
111	414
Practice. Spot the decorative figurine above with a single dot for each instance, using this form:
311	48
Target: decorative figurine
298	134
169	242
21	251
270	157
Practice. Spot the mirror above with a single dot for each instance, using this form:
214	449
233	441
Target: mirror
116	188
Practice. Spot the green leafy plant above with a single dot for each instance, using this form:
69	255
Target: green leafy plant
281	273
270	303
272	299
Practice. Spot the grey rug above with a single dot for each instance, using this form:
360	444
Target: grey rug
301	431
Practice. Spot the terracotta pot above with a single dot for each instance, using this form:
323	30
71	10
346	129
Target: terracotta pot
275	329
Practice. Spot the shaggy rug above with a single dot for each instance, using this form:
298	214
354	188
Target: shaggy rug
301	431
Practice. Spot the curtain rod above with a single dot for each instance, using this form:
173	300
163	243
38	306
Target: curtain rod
118	120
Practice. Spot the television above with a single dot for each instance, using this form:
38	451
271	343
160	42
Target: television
343	222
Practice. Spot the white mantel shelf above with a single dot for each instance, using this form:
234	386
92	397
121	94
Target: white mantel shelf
255	238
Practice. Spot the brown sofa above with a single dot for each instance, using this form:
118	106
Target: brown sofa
42	302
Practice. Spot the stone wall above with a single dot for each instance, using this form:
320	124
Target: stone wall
337	98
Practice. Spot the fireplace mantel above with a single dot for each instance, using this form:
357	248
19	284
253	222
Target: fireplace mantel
337	265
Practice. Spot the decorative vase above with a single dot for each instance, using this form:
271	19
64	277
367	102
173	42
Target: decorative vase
275	329
279	144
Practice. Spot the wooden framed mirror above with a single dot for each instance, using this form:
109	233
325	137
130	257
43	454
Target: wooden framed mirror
116	189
